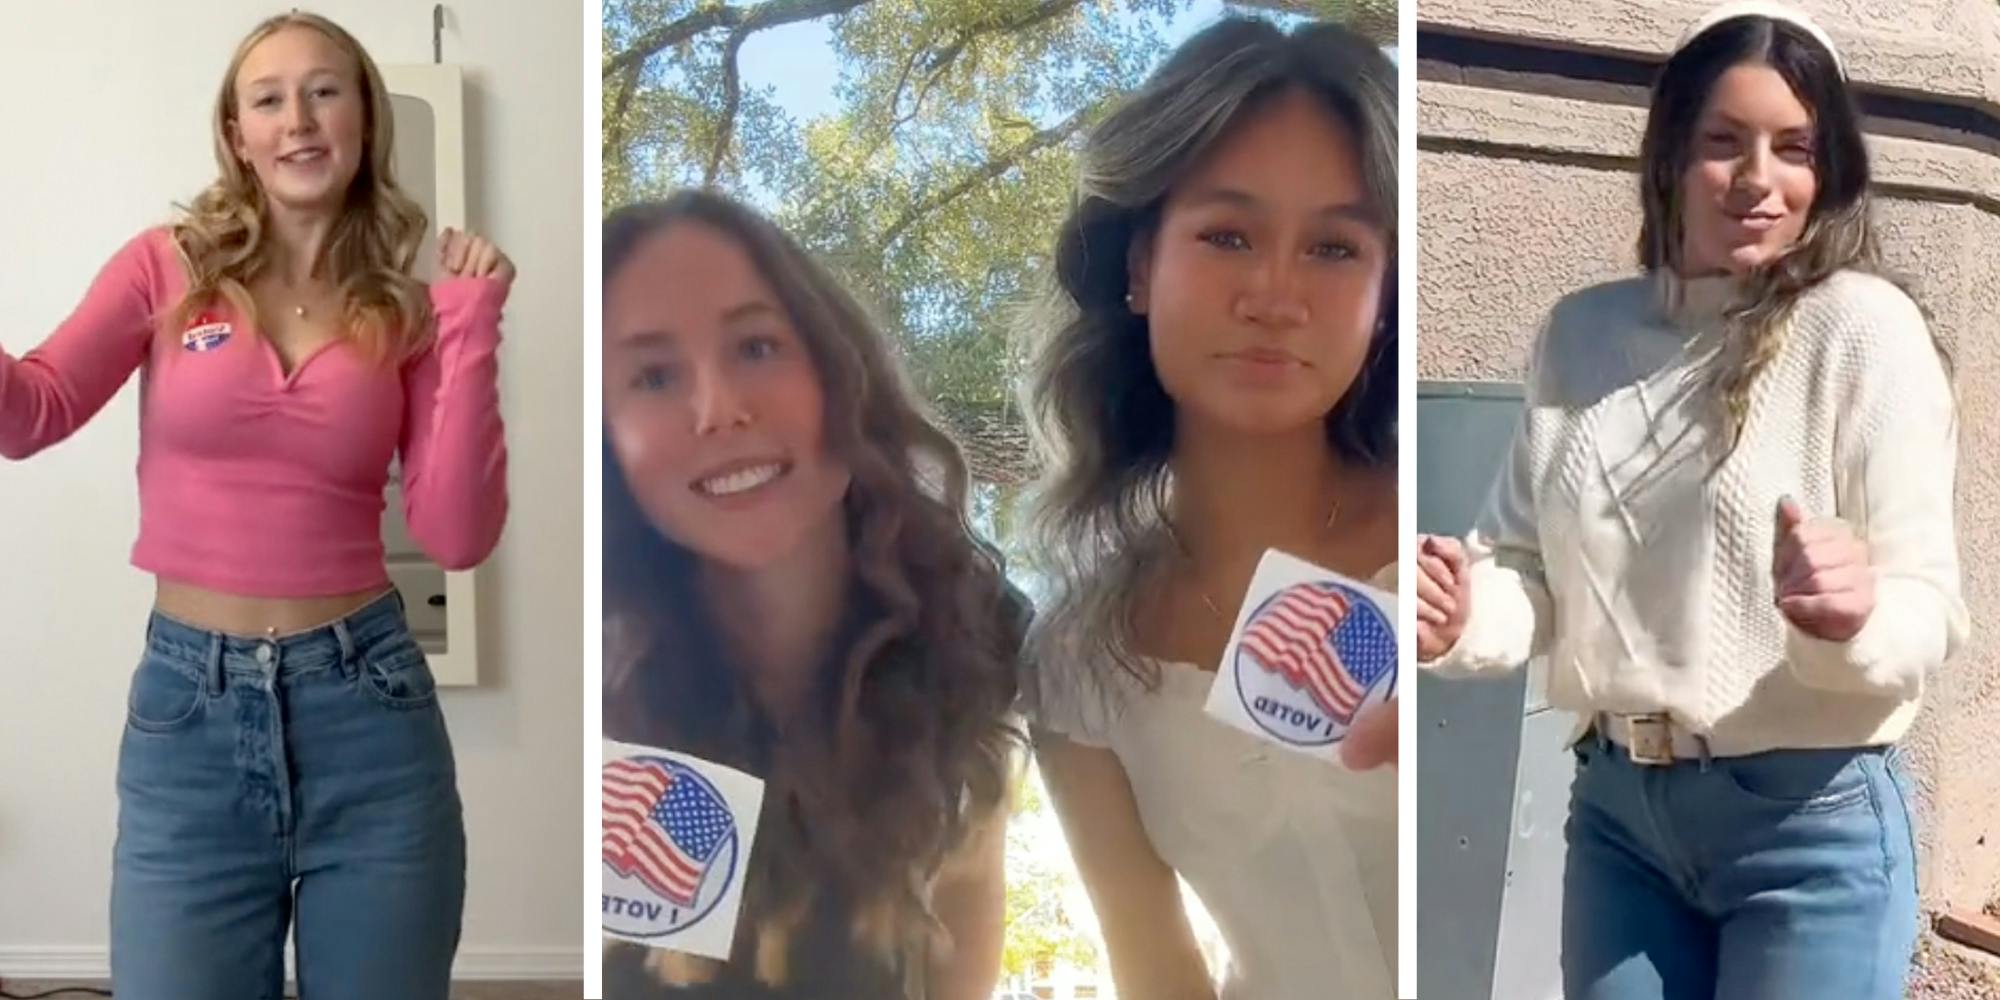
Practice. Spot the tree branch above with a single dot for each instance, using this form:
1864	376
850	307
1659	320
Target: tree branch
1048	11
992	168
1375	20
889	133
937	73
614	129
942	60
903	80
768	14
732	99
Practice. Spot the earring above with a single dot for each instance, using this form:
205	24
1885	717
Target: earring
1128	300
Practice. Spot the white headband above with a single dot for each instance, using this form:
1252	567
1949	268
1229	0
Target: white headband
1763	8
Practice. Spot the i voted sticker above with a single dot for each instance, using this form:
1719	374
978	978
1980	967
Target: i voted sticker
1310	653
676	844
1310	658
206	334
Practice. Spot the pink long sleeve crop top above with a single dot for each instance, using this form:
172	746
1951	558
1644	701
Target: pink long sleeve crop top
256	483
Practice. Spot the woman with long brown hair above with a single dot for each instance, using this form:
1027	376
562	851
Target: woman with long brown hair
1215	377
792	589
1726	522
284	762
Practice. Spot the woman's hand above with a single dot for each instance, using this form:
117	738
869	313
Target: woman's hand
463	255
1372	741
1444	595
1821	575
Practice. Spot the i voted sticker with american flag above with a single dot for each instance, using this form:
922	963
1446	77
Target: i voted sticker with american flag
1311	651
677	837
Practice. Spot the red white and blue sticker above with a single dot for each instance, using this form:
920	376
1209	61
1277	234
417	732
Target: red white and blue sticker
1310	658
677	837
206	333
1312	653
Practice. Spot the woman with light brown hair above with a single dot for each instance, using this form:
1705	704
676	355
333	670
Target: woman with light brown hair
284	765
791	588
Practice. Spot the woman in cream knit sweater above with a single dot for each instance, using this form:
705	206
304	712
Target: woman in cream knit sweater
1727	523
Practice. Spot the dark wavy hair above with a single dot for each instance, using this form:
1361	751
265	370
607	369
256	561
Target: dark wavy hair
1103	421
912	737
1839	232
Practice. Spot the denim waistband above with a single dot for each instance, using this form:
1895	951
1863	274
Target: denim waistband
331	645
1595	735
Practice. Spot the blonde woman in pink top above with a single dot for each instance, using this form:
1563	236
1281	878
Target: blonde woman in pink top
284	765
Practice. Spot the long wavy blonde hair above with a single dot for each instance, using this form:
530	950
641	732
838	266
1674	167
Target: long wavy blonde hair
222	234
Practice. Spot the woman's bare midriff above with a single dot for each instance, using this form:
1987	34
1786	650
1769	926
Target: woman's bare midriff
236	614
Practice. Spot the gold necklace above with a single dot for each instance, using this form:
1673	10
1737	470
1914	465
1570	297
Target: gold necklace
1173	531
300	295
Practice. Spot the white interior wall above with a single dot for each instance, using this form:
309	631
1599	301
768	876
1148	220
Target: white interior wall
105	112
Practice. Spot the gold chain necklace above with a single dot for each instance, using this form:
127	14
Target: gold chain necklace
299	297
1173	532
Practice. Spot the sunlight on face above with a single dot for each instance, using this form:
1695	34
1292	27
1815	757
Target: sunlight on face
1750	182
1262	285
713	403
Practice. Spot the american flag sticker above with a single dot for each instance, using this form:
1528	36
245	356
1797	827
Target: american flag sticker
1310	652
206	333
676	840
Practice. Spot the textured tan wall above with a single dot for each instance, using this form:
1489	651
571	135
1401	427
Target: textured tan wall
1939	47
1532	196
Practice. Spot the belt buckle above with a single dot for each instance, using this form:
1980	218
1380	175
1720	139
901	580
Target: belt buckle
1650	739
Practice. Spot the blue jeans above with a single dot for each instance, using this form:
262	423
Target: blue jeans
303	781
1772	876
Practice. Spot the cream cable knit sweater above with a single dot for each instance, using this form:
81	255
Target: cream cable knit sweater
1607	546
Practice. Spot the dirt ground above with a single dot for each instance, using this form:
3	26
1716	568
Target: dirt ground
1948	971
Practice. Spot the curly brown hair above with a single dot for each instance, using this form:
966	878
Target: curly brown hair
910	745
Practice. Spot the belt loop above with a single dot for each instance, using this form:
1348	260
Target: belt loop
1603	732
346	640
1707	758
215	664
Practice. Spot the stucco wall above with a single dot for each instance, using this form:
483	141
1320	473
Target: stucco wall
1523	196
1943	48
